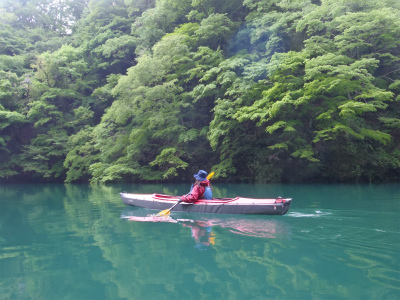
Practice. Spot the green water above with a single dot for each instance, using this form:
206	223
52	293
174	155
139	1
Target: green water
80	242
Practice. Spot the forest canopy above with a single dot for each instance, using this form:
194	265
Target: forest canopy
260	91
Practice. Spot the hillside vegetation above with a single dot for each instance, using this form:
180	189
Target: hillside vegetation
255	90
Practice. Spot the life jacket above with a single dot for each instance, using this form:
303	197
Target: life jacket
207	193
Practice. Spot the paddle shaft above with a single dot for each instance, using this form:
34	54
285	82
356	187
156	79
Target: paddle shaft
175	205
167	211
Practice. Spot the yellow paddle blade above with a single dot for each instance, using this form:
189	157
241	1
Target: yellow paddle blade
210	175
212	238
164	212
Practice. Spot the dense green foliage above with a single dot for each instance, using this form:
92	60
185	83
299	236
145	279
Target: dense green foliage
146	90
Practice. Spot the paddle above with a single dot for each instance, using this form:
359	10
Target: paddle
168	211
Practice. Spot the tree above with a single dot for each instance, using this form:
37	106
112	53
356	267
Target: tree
103	33
325	101
266	91
56	111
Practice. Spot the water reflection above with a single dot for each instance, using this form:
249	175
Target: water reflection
202	225
69	242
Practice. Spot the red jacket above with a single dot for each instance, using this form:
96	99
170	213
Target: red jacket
196	192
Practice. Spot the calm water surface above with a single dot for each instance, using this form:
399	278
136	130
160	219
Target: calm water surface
80	242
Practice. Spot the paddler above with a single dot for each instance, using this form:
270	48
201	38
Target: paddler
200	189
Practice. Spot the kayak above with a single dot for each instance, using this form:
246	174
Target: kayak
238	205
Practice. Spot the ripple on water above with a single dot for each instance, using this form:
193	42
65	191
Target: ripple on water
308	215
358	229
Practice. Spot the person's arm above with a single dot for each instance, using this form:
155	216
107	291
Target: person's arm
194	195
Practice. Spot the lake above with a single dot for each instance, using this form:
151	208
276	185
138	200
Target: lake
81	242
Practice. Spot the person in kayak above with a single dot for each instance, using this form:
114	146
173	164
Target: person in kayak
200	189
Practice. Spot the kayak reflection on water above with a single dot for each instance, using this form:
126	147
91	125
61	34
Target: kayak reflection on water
201	225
